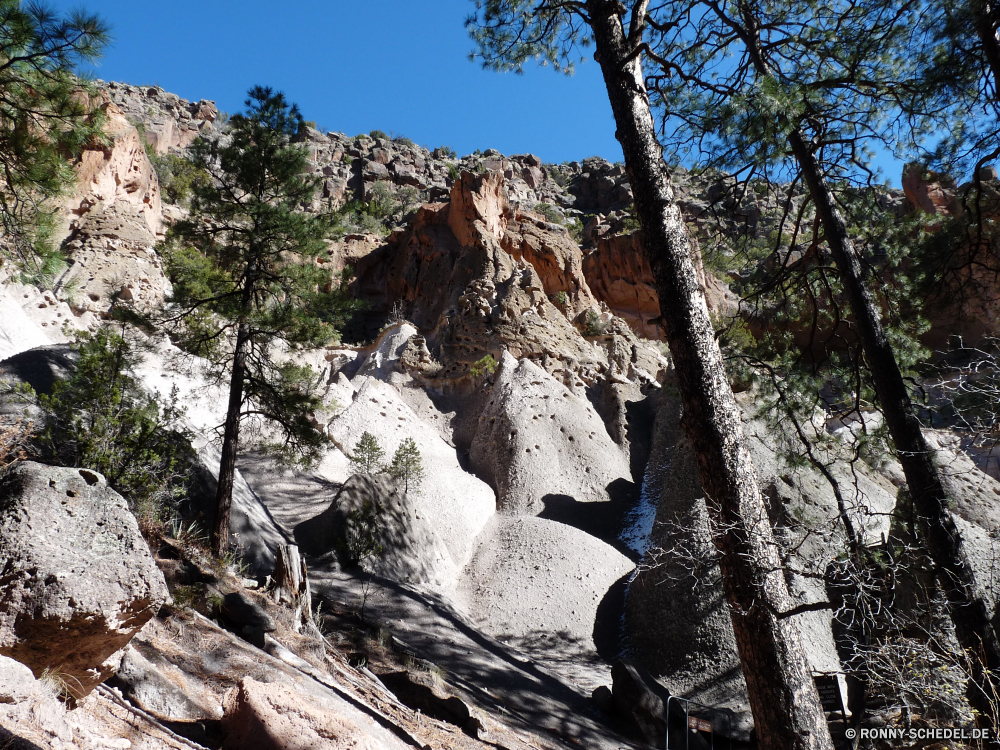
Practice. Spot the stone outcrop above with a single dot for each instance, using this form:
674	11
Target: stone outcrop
470	297
453	504
930	192
169	122
117	174
540	445
77	578
112	256
259	716
676	598
163	690
410	548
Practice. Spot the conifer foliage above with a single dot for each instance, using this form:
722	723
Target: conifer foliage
407	465
45	116
247	285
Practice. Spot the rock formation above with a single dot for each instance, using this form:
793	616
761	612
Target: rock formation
78	580
511	336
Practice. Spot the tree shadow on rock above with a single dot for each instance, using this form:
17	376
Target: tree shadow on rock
11	741
602	520
42	367
608	620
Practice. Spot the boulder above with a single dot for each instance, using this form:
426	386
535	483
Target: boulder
550	590
412	549
31	715
262	716
247	617
162	690
423	692
640	704
78	581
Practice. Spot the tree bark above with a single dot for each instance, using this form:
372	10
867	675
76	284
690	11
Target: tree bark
783	697
291	584
986	20
230	445
944	542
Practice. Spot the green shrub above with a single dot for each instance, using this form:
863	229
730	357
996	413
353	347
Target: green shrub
178	176
548	211
592	325
630	225
575	227
402	140
452	172
362	534
379	134
483	366
561	299
102	419
369	216
447	152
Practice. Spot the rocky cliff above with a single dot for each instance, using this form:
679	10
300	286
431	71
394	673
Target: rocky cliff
512	332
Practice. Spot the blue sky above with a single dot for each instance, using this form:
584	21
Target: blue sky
400	66
396	65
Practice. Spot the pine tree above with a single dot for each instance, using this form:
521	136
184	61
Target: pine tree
407	465
785	705
45	117
368	455
777	89
246	282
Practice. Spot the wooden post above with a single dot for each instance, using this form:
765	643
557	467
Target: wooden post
291	583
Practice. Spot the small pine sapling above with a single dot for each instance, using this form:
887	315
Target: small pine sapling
407	465
368	455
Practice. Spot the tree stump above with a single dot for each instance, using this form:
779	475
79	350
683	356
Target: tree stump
291	583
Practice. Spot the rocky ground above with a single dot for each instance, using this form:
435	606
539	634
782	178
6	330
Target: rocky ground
560	514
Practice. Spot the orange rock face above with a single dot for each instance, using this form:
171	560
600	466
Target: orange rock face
619	275
117	174
930	191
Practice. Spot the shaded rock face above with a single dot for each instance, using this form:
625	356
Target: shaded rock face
412	550
676	597
261	716
965	304
930	192
619	275
77	578
451	502
252	529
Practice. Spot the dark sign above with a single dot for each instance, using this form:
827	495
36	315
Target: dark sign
700	724
830	696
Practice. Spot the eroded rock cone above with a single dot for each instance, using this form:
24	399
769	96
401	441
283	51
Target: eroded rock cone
78	579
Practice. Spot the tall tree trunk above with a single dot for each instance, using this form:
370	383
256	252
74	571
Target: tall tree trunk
987	19
230	444
968	609
783	698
